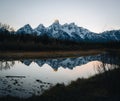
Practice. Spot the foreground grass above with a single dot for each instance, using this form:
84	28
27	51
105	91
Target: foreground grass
101	87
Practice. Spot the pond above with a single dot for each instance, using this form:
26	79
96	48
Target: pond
27	77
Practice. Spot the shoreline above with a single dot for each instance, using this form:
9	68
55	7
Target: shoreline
54	54
46	54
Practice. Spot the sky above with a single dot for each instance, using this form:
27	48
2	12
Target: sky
95	15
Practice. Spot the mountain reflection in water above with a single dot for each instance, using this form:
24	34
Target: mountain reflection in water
69	63
24	78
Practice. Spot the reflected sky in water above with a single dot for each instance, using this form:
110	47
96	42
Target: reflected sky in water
47	73
24	78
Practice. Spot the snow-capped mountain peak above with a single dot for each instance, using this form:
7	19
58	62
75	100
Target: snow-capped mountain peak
40	29
54	30
56	21
40	26
26	29
56	25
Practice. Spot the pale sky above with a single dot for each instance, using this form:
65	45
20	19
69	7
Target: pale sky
95	15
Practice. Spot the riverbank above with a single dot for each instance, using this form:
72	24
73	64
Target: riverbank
47	54
101	87
50	54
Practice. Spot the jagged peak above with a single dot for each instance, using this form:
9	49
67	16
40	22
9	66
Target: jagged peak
56	21
40	26
72	24
27	25
55	24
66	24
26	29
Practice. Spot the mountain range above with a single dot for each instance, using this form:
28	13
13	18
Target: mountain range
70	32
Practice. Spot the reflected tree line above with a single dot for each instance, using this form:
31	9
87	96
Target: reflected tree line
112	63
6	64
104	67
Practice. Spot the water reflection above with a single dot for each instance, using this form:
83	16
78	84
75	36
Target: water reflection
19	87
27	77
6	64
69	63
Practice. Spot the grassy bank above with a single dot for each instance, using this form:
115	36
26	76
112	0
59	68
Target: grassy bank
101	87
47	54
52	54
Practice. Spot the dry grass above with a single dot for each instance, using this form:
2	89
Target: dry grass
51	54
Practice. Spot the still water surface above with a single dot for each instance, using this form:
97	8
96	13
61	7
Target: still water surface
24	78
